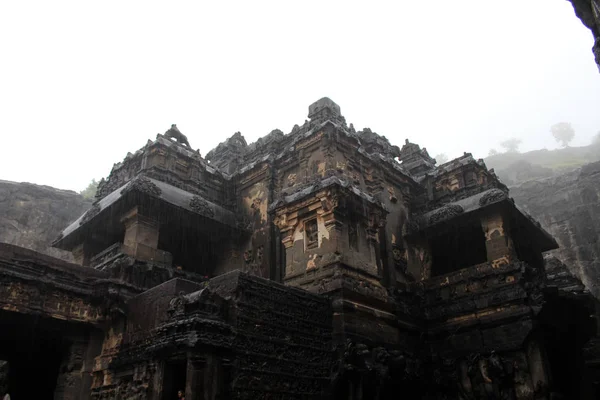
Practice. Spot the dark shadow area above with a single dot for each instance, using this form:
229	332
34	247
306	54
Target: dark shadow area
565	328
458	248
34	348
174	379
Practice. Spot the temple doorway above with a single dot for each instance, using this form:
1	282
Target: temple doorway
33	349
174	379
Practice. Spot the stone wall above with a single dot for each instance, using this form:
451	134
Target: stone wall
568	207
32	216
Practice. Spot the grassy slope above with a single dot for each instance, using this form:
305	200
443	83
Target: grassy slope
557	161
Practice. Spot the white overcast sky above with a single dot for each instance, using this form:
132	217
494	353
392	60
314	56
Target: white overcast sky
82	83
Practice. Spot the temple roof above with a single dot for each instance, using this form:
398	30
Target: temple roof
307	190
479	201
153	188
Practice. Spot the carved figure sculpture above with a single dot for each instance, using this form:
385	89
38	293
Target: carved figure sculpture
176	134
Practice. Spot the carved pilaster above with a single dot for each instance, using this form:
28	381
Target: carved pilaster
499	246
331	213
141	235
82	254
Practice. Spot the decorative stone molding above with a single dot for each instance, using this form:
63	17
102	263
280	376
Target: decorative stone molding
201	206
144	185
493	196
445	213
91	213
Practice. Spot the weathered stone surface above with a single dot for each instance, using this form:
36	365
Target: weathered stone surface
568	207
357	305
32	216
588	12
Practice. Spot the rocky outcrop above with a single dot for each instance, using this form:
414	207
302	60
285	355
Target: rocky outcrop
568	206
588	12
32	216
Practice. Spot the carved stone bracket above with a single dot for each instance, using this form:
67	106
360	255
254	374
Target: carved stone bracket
445	213
144	185
91	213
201	206
492	196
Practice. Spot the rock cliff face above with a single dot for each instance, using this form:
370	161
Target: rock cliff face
588	12
568	206
32	216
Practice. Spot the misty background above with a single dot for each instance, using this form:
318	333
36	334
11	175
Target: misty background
82	83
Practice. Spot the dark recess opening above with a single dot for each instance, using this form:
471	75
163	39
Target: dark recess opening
460	247
34	348
175	379
565	327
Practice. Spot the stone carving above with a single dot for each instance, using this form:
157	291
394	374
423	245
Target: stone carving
174	133
312	233
259	254
445	213
91	213
144	185
176	305
400	261
248	256
201	206
291	179
493	196
392	194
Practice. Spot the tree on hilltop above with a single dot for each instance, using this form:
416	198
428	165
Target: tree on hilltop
511	145
563	132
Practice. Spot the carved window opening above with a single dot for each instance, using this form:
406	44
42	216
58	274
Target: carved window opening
459	247
311	234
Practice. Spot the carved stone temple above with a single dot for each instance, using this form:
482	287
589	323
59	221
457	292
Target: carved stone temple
325	263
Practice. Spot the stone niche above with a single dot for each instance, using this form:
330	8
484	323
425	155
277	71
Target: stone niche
468	241
330	227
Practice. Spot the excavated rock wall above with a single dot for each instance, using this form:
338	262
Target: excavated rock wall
32	216
568	206
588	12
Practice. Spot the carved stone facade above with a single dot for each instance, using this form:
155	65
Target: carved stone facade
325	263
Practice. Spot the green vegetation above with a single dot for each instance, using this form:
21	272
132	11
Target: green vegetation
90	191
514	167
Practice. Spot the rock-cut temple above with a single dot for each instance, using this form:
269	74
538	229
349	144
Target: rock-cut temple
325	263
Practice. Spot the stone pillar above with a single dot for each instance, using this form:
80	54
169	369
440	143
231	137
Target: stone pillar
213	378
157	382
94	347
70	382
499	246
419	259
141	235
538	368
194	384
82	254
